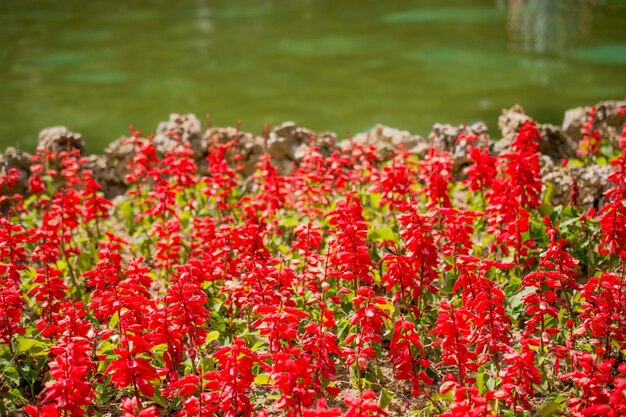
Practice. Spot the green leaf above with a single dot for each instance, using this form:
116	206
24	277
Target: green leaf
257	345
480	381
262	379
30	345
115	318
386	397
289	222
159	349
375	199
549	192
381	234
213	335
549	407
158	398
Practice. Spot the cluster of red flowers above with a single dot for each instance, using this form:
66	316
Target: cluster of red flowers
343	288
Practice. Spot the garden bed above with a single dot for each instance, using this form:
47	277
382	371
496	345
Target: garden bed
295	274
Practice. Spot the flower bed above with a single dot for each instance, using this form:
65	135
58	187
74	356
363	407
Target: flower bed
349	286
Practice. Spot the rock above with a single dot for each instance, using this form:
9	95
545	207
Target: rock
554	142
546	165
446	138
608	121
60	138
510	121
111	169
16	159
248	148
185	127
387	139
592	182
573	121
109	175
288	144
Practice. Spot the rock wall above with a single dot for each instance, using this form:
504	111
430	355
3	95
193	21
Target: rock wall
288	143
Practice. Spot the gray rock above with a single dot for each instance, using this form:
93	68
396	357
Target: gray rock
16	159
288	144
554	142
446	138
592	182
608	121
248	146
109	174
111	169
60	138
546	165
180	127
387	140
510	121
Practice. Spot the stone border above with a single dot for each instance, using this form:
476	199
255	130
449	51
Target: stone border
288	144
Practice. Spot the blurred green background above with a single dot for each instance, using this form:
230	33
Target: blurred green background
97	66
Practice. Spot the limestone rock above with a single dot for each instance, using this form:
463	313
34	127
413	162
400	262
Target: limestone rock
592	182
554	141
608	121
288	144
60	138
248	148
16	159
110	175
510	121
387	139
112	168
446	138
183	127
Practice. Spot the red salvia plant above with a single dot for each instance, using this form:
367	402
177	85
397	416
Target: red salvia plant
365	405
228	386
593	377
306	192
604	311
13	257
273	189
408	357
133	369
368	321
8	179
455	337
219	295
560	268
395	182
416	271
483	169
456	236
556	276
291	375
222	179
613	214
589	144
518	379
70	392
435	170
468	401
352	256
481	296
321	343
522	166
519	188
